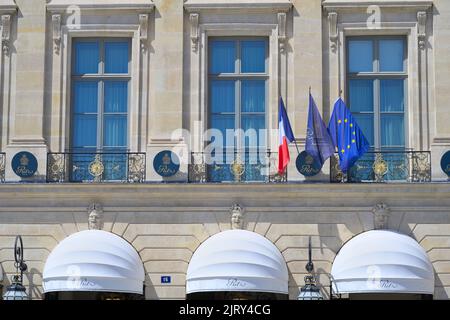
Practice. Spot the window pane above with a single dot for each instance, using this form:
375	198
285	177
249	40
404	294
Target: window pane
223	56
222	123
392	130
116	57
85	131
365	122
222	96
360	55
392	95
253	96
253	56
115	131
361	95
86	57
116	96
85	96
391	55
254	138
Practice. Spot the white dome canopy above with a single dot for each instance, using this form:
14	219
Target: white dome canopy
237	260
382	261
94	260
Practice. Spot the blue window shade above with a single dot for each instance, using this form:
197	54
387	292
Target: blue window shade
392	130
366	123
116	96
391	55
392	95
116	57
222	123
87	57
253	56
361	95
252	124
222	96
360	55
85	96
253	96
223	56
115	131
85	131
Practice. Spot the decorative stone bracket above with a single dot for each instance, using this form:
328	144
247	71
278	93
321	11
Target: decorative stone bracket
421	28
6	32
95	216
56	28
282	31
237	217
195	32
381	214
143	30
333	29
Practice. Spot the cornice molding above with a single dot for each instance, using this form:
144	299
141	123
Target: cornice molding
234	5
143	6
330	6
8	7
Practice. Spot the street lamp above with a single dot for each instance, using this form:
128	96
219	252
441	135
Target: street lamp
16	291
310	291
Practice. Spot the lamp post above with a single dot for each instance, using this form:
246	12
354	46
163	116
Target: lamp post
310	291
16	291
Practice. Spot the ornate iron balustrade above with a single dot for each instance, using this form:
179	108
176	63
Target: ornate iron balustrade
385	166
235	167
2	166
96	167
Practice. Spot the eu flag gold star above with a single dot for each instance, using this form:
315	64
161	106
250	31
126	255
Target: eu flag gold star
353	141
345	120
339	121
343	151
348	147
354	133
351	125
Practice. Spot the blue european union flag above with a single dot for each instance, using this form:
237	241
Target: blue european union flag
319	144
347	136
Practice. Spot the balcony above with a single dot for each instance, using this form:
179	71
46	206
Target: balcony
2	166
239	167
386	166
96	167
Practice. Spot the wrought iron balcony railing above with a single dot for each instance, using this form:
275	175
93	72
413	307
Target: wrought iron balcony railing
96	167
385	166
2	166
235	167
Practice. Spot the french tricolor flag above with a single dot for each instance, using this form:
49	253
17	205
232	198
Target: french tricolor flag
286	136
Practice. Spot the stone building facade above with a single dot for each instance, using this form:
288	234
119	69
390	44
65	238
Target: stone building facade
166	219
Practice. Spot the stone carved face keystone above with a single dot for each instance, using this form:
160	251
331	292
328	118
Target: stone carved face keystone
237	221
95	217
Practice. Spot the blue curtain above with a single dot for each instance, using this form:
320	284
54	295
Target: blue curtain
361	95
392	95
253	56
85	131
222	95
392	130
257	123
85	100
87	57
115	131
360	55
116	57
85	96
253	96
391	55
116	96
115	119
222	56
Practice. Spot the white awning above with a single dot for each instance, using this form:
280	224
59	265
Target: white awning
94	260
237	260
381	261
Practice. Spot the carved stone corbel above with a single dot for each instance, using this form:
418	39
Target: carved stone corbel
195	33
381	214
6	32
143	30
237	217
95	216
282	31
421	28
56	27
333	29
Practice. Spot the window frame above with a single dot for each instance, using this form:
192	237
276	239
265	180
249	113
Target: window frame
377	76
100	77
237	76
